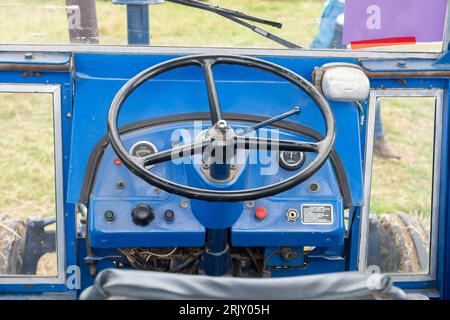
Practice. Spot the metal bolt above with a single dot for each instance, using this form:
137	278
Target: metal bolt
287	254
28	55
292	215
222	124
250	204
157	191
184	204
169	215
109	216
314	187
120	185
401	64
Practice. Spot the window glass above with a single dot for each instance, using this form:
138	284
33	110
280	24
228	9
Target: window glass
307	23
402	185
27	185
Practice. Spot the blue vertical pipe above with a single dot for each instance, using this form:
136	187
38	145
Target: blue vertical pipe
215	260
138	24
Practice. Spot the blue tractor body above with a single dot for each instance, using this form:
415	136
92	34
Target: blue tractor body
106	212
173	101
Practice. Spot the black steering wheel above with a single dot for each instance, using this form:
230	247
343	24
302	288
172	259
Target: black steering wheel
222	133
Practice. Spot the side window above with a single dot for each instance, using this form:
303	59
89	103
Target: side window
401	169
30	224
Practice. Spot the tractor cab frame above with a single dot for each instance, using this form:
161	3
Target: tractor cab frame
226	218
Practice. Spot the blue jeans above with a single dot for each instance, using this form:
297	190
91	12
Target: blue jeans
379	131
330	33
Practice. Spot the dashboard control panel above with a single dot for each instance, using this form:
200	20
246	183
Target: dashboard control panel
126	212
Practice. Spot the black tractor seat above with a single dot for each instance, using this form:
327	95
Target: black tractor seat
149	285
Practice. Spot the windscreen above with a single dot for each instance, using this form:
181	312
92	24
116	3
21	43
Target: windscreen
392	25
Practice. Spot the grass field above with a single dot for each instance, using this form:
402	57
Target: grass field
44	21
405	185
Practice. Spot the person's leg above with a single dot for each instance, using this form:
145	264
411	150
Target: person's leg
379	131
327	28
380	147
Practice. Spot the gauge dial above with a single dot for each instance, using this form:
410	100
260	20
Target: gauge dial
291	160
143	149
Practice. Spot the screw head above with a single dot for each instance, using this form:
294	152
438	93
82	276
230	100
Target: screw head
169	215
222	124
120	185
292	215
185	204
109	215
314	187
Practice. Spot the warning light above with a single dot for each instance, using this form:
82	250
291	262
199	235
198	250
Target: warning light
261	213
117	161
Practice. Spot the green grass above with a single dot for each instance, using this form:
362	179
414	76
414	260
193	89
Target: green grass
405	185
44	21
27	159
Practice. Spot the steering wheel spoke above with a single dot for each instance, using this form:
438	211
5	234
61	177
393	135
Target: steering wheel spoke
257	143
178	152
213	99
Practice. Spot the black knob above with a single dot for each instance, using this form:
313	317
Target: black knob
142	214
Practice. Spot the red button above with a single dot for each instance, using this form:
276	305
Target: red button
117	161
261	213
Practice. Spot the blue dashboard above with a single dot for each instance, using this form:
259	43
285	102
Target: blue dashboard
311	214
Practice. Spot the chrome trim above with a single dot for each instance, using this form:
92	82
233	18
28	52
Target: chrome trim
364	231
60	278
218	50
446	41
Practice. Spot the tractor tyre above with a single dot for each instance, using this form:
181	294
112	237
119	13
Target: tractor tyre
12	244
398	243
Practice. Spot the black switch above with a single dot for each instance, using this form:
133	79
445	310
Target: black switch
142	214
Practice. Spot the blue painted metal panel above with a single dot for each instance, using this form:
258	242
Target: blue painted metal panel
64	80
186	230
443	267
240	90
173	93
48	59
396	65
183	231
443	61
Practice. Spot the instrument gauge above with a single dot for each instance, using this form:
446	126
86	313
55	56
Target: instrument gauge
291	160
143	149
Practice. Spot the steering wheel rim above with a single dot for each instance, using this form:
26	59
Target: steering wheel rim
137	166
